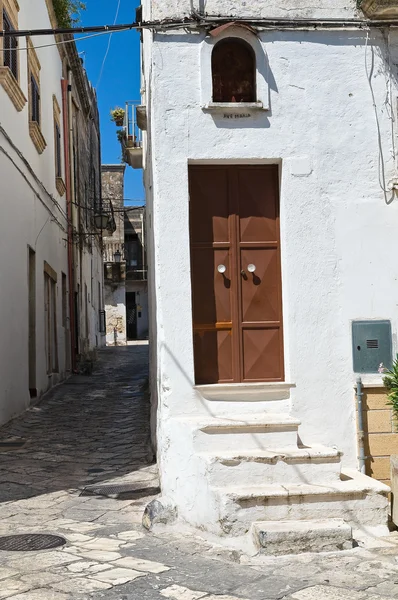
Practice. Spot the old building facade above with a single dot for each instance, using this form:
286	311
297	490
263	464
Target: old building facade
51	275
125	272
270	173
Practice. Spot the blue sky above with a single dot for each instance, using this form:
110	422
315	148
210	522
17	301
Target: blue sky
120	80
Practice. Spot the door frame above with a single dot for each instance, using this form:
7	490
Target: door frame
238	354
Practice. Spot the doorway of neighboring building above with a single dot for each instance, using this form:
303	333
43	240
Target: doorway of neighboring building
131	316
50	323
236	273
32	322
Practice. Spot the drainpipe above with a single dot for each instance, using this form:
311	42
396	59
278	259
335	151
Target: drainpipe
361	435
65	117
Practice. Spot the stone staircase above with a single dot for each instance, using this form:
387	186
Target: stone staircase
283	496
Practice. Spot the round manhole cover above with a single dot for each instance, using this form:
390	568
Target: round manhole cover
30	542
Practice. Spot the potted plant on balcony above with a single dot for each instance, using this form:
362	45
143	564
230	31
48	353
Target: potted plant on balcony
121	136
117	116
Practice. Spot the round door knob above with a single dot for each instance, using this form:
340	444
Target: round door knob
251	268
221	269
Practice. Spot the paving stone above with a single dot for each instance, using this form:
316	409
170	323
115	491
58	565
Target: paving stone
118	576
339	578
78	585
130	536
322	592
41	578
222	598
176	592
42	594
100	555
386	588
27	562
10	587
141	565
5	573
100	543
271	587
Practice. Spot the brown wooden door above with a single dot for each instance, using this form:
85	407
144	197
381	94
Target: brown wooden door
237	314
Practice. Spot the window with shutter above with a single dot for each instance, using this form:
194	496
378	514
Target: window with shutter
35	101
234	71
10	45
59	182
58	150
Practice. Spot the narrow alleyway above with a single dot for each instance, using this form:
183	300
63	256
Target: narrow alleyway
79	465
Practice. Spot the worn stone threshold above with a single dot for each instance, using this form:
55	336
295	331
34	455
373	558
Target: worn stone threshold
238	392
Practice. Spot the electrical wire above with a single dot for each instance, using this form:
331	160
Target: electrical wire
32	173
381	162
71	41
108	48
211	21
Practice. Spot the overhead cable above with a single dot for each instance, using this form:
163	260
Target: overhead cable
209	21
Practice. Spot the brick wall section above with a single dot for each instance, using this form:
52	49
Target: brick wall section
381	433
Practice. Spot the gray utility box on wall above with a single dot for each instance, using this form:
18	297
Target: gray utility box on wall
371	345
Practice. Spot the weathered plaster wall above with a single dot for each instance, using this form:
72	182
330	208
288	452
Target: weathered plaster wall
34	216
27	222
115	307
257	8
337	224
112	177
115	291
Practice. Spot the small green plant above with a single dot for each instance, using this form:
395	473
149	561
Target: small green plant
120	134
390	380
117	115
68	12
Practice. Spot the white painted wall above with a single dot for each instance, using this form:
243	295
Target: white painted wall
336	153
162	9
33	215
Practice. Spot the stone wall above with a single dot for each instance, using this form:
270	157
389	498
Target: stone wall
381	433
115	274
112	177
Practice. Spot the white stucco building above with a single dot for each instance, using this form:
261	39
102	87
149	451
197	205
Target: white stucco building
51	274
270	170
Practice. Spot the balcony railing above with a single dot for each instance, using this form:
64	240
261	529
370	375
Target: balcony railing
131	137
134	274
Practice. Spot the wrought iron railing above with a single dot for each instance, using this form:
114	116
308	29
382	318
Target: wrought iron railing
133	134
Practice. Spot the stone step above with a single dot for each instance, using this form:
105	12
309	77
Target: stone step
295	537
237	398
357	499
254	432
254	467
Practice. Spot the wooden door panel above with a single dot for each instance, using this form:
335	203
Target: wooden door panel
260	298
209	205
210	226
213	356
211	290
260	292
261	355
237	320
258	204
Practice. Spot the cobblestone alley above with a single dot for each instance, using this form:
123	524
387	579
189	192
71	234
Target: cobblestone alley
79	465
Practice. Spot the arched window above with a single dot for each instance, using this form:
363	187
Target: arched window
234	71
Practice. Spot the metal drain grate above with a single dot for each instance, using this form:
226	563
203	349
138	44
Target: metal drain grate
30	542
